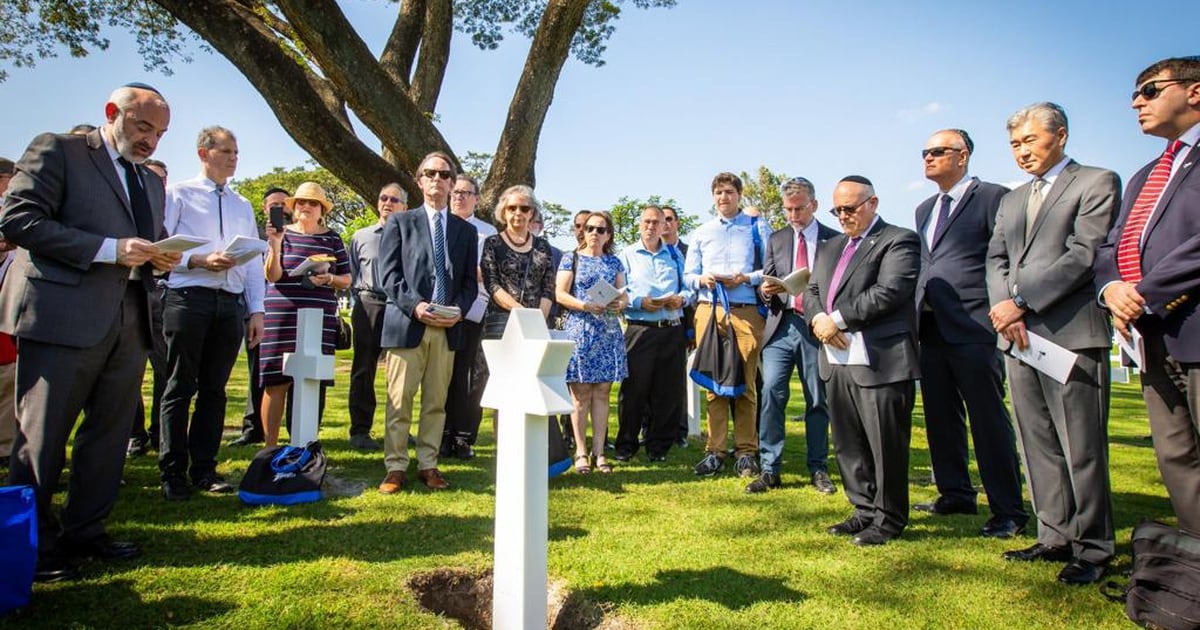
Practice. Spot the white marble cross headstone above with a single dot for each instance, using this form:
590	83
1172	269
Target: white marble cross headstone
308	367
527	383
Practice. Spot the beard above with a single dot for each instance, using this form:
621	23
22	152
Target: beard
125	145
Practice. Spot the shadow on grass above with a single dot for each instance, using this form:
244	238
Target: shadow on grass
73	606
302	541
723	586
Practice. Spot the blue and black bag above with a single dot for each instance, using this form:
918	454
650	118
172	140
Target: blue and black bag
18	546
284	475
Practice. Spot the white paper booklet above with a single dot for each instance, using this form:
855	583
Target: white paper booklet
442	310
317	262
244	249
180	243
854	354
1134	348
601	293
1046	357
794	283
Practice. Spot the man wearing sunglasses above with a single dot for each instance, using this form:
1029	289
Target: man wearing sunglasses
1146	273
366	316
427	257
727	250
1039	276
862	292
962	371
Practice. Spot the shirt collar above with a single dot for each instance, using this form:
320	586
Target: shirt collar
1055	170
957	191
1191	137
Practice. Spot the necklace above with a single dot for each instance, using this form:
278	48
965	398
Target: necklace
515	243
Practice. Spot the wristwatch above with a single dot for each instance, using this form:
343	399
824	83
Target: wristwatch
1020	302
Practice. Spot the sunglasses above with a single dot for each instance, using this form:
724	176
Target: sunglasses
1150	89
433	173
840	210
598	229
383	198
937	151
521	209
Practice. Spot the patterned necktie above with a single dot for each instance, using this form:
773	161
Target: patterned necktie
1129	254
943	217
839	271
441	279
800	263
1035	204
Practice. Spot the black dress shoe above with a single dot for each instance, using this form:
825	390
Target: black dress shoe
101	547
656	457
944	507
245	440
766	481
1080	571
213	484
55	568
623	456
176	489
871	536
998	527
1039	552
850	526
822	482
463	450
136	448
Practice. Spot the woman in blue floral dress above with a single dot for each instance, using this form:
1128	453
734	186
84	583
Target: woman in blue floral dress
599	357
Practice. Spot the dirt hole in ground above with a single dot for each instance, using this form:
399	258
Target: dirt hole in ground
466	597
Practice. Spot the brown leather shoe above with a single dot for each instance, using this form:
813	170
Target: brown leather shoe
392	483
433	479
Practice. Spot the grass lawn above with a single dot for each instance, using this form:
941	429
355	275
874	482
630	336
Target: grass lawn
655	545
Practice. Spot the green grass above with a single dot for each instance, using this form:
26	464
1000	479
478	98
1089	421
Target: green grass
664	549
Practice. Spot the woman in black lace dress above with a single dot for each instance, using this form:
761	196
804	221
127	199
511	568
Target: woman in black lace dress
517	266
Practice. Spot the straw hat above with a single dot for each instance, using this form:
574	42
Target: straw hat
311	191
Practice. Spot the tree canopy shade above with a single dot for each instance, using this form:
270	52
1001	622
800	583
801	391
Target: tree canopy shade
313	69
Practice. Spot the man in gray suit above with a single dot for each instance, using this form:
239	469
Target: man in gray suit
1039	276
85	213
861	293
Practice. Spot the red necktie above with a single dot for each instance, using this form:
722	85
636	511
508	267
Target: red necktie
801	263
1129	249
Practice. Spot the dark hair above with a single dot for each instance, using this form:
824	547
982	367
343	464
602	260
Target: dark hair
1187	68
438	154
727	178
275	189
82	129
965	138
857	179
609	247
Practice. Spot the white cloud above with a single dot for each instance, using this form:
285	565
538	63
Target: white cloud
916	184
917	113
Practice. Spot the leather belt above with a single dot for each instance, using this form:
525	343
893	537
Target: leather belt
379	295
221	293
662	323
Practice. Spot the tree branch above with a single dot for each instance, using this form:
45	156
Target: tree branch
305	105
435	54
401	48
346	61
516	151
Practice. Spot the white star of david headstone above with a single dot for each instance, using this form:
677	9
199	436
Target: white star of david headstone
528	381
307	366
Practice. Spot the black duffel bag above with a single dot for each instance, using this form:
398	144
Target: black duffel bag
284	475
1164	586
718	367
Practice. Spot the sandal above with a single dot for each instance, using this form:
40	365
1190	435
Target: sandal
581	464
602	464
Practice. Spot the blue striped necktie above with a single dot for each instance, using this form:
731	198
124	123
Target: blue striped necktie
440	277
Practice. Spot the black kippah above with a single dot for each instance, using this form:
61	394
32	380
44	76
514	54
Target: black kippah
857	179
138	85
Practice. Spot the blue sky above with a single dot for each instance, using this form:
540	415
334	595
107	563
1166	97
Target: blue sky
821	89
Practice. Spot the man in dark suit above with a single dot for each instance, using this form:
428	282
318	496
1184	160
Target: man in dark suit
1146	272
959	359
861	293
85	214
1039	276
788	344
427	257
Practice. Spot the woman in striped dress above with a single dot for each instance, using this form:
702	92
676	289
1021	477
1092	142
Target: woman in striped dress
306	237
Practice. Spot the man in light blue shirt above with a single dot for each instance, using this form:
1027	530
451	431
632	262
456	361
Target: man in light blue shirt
728	249
655	343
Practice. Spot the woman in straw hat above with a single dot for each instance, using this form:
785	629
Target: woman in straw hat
287	294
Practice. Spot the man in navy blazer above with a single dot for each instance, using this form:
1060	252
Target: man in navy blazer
1148	277
426	258
863	284
960	363
788	344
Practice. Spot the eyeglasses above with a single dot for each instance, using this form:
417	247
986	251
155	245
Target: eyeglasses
432	173
383	198
462	193
521	209
598	229
840	210
1150	89
937	151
